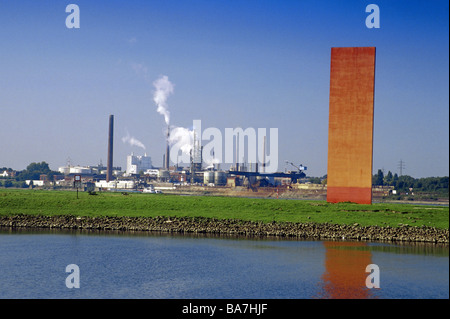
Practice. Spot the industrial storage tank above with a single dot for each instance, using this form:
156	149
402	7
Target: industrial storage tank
64	170
208	177
220	178
80	170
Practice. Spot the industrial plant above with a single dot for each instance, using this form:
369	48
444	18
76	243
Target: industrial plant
140	175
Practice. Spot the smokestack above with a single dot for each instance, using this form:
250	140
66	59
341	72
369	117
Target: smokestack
237	152
167	150
264	156
110	149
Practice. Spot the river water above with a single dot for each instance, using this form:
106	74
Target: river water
147	265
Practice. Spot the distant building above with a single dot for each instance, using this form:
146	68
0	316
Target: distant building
8	173
35	182
137	163
67	170
117	184
87	170
153	172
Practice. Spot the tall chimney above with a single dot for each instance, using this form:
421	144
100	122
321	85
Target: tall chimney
167	150
109	164
237	152
264	156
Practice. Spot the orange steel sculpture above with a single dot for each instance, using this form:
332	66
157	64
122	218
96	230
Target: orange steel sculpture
350	131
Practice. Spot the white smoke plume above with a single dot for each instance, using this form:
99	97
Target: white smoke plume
210	162
163	88
132	141
183	138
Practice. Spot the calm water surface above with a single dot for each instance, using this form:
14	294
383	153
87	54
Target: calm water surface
142	265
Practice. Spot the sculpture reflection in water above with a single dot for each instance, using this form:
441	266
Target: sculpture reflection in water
345	271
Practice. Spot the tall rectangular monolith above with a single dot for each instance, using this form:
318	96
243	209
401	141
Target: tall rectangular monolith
350	131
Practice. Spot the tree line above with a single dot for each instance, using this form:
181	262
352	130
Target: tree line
405	182
402	183
32	172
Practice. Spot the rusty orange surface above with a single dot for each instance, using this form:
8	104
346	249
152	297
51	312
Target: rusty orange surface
350	130
360	195
345	270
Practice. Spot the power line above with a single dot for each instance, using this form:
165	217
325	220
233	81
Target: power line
401	166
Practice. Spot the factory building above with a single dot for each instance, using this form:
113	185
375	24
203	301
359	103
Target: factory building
137	163
87	170
82	170
116	184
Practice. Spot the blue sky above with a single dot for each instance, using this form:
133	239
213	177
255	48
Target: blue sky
258	64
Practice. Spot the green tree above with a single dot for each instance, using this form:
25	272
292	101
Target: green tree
315	180
405	182
394	180
378	178
388	178
34	170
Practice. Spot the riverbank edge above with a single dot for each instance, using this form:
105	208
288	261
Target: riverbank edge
204	225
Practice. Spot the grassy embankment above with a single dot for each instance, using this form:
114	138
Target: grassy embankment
13	202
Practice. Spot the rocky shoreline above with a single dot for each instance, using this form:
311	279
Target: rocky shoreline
200	225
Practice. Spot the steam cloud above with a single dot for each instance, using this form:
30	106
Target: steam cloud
210	162
183	138
132	141
163	89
